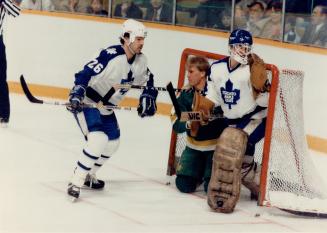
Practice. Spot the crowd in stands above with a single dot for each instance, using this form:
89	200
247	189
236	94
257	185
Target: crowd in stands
305	20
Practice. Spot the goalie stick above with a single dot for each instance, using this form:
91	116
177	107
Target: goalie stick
35	100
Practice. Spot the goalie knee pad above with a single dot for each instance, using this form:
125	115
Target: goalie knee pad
225	183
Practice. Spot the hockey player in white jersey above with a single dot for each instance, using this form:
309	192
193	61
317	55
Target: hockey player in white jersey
118	64
239	84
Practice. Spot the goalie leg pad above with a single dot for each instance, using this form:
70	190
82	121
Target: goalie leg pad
225	183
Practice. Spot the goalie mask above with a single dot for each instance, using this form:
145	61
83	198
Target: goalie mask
134	29
240	45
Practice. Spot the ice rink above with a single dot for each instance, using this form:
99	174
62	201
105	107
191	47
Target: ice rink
38	152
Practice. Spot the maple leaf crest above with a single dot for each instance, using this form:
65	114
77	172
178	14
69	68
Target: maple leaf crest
230	95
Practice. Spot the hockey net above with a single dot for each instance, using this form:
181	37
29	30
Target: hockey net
289	179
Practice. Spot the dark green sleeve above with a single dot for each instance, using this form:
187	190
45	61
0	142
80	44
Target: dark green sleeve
185	100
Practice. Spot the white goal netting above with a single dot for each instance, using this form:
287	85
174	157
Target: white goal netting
292	181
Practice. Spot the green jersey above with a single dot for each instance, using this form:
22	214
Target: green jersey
206	138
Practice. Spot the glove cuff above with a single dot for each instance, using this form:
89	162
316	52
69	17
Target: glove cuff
77	91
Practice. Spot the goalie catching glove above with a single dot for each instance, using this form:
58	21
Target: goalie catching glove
76	97
203	105
147	104
258	74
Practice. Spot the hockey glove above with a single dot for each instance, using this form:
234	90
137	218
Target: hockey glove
147	105
76	96
258	74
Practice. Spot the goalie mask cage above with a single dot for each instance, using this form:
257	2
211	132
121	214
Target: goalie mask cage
289	180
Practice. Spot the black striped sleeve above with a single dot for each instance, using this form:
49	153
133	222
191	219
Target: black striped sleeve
11	8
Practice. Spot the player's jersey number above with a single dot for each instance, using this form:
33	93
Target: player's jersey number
95	66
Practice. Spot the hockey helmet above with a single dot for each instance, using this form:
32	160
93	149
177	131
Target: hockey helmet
240	45
134	29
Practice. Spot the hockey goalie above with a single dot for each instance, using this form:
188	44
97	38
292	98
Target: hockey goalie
239	84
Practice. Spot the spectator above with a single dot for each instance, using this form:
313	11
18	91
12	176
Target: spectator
159	11
96	8
37	5
73	6
207	14
240	17
243	5
316	32
273	27
128	9
291	33
256	19
226	19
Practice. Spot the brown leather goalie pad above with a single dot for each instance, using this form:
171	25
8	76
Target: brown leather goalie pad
258	74
225	183
203	105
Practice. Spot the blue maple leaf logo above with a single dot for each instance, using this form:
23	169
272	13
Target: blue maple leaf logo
127	81
230	95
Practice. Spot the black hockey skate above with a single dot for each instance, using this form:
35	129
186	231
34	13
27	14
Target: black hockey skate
93	183
73	191
4	122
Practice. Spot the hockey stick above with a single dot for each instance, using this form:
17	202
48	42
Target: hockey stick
184	116
126	86
172	95
35	100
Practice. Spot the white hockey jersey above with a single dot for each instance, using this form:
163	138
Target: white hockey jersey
111	67
231	89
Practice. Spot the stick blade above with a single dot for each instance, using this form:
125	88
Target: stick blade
27	92
306	213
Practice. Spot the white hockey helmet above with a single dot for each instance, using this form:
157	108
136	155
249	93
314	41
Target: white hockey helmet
134	29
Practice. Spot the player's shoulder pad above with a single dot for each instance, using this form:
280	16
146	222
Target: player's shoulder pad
112	52
215	65
219	62
109	54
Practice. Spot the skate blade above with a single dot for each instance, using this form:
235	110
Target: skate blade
72	199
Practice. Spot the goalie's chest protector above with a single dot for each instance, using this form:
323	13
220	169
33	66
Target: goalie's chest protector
233	89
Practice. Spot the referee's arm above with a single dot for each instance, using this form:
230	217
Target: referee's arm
10	7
